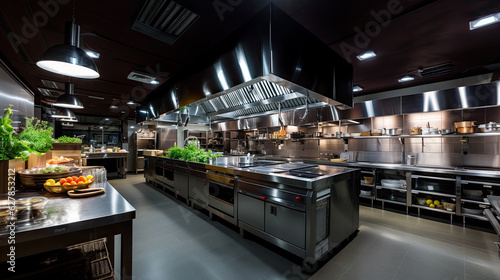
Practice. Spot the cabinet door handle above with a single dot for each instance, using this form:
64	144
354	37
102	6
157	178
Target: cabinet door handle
274	210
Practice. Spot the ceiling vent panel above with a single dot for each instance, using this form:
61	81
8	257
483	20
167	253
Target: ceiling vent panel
436	70
140	77
52	84
164	20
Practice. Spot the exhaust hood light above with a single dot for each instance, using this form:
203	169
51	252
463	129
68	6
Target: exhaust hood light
406	79
356	88
484	21
69	59
64	113
68	99
113	107
92	54
366	55
154	82
131	102
132	126
354	122
143	111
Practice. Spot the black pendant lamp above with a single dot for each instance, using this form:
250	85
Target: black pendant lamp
68	59
68	99
64	113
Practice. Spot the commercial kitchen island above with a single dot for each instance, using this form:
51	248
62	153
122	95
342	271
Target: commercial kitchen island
68	221
305	209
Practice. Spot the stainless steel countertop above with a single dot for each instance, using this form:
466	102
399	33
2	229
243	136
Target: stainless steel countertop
65	214
464	171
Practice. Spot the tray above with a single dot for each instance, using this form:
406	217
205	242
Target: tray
31	177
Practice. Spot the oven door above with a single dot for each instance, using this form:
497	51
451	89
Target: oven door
221	197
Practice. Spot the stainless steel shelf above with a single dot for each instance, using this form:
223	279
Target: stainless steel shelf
477	217
391	201
367	185
389	188
485	134
433	209
433	193
146	138
475	201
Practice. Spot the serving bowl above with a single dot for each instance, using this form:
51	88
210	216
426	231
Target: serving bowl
449	206
66	188
422	200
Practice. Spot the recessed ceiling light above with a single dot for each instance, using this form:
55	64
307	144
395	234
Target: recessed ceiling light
366	55
106	119
356	88
92	54
101	127
131	102
484	21
112	107
406	79
154	82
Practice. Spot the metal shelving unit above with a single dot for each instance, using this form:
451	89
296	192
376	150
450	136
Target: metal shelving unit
141	141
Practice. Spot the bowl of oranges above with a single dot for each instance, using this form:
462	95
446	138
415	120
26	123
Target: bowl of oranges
68	183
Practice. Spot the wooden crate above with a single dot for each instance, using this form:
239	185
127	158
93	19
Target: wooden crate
9	169
39	161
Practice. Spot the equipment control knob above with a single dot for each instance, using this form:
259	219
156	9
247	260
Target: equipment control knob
298	198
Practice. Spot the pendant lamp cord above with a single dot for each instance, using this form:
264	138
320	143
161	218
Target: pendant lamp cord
73	15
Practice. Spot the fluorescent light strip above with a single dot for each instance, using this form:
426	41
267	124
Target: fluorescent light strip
95	97
484	21
406	79
463	97
356	88
366	55
92	54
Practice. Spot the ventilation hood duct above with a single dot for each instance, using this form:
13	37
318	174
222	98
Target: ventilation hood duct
269	60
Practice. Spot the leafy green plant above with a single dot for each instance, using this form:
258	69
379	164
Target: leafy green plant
67	139
38	134
190	153
11	147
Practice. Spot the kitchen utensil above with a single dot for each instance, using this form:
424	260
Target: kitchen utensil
391	183
465	124
473	211
430	131
411	160
415	131
465	130
338	160
393	131
366	193
422	200
368	180
489	127
86	192
317	134
447	131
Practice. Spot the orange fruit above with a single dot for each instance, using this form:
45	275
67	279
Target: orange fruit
65	184
72	183
81	178
69	179
74	178
81	181
62	181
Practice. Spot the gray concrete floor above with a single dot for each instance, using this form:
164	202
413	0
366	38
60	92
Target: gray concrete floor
172	241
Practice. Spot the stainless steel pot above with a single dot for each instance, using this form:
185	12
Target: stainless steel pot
393	131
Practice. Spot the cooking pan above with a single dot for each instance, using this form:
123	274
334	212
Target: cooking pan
448	131
464	130
465	124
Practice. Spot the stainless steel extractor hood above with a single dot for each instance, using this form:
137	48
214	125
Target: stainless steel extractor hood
269	62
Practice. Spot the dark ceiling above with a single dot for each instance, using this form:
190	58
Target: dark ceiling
406	35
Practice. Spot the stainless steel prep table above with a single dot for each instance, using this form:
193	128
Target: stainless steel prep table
121	160
72	221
